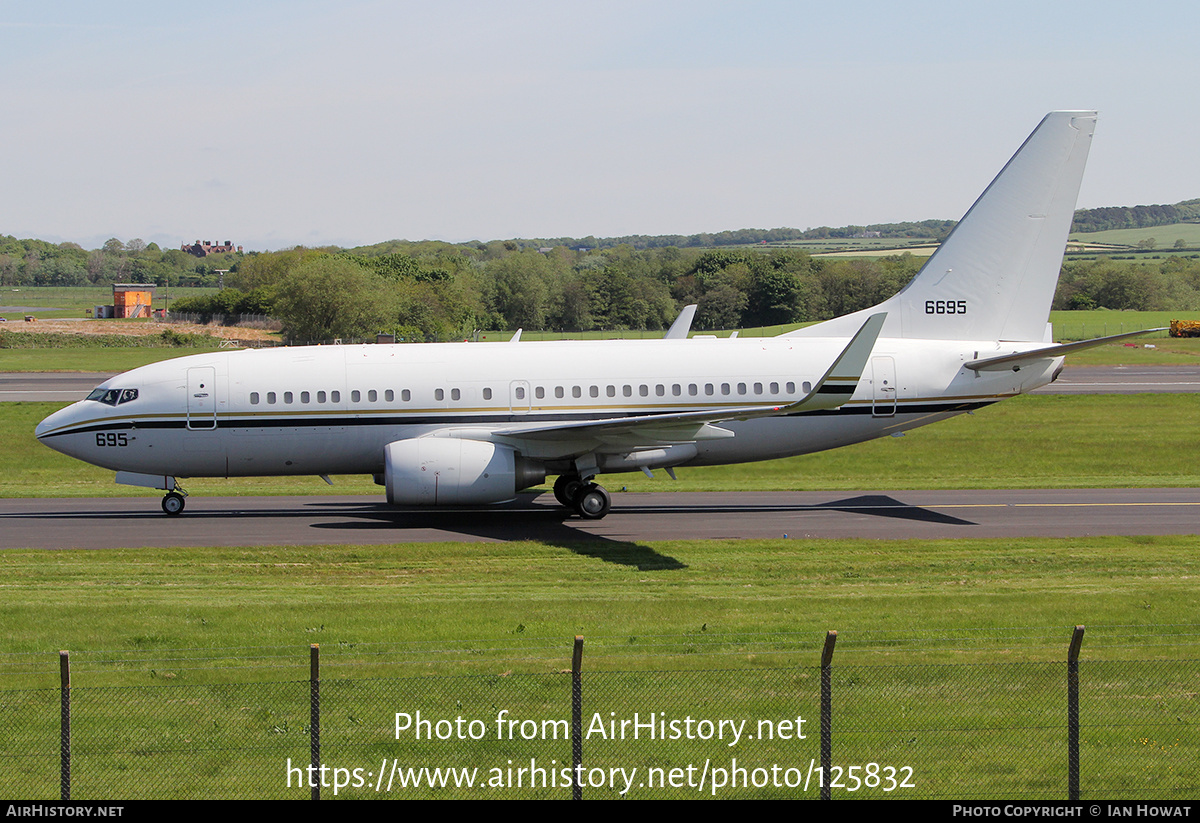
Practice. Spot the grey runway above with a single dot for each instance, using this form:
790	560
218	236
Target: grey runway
1125	380
92	523
48	387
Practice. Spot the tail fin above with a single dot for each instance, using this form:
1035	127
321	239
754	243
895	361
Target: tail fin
994	277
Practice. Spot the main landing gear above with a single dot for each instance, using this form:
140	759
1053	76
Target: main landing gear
172	504
590	501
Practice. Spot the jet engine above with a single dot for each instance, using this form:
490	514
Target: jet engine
448	471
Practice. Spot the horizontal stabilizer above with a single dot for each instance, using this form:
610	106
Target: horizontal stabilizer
1017	360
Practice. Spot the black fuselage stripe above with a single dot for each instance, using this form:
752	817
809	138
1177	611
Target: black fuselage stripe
488	419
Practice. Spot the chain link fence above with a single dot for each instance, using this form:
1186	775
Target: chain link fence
747	728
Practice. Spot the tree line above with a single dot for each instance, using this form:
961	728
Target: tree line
441	291
1135	217
39	263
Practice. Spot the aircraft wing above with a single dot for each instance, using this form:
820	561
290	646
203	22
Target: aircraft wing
1017	360
834	388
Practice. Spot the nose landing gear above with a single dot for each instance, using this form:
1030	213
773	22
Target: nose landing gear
173	502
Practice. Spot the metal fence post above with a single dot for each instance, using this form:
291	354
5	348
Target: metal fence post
827	712
1073	714
577	719
314	717
64	752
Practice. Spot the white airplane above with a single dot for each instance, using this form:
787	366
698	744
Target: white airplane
470	423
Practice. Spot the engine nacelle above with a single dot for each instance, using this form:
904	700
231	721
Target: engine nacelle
449	471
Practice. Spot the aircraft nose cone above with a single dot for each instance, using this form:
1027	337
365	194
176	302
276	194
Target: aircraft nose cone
42	428
49	424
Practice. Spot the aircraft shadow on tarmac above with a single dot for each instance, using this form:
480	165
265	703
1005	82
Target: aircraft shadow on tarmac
554	526
526	518
881	505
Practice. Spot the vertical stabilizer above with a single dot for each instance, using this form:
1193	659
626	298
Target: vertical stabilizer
994	277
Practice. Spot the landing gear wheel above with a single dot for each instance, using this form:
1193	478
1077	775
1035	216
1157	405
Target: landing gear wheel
567	489
594	502
172	504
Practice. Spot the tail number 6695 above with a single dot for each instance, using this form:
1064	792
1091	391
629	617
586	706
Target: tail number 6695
945	306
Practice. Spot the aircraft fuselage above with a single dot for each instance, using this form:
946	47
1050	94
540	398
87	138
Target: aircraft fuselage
332	409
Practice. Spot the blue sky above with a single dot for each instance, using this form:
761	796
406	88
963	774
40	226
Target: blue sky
282	123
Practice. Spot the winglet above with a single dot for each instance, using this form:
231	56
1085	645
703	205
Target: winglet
682	325
840	381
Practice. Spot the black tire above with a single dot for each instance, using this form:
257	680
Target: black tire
567	489
173	503
593	503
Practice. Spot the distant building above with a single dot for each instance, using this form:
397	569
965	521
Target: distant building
203	248
132	299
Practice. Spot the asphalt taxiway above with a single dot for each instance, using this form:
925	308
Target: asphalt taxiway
127	522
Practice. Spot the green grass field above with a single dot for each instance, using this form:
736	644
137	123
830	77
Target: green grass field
189	665
55	302
1164	236
494	607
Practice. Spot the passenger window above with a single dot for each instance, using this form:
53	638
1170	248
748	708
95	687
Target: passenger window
287	397
558	391
576	392
305	397
791	388
487	394
644	390
741	388
519	392
372	395
355	396
439	394
594	391
758	388
271	398
774	388
320	397
335	397
539	392
660	390
455	394
692	390
724	388
611	391
253	398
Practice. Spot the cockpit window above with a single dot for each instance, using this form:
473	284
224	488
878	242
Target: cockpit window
112	397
